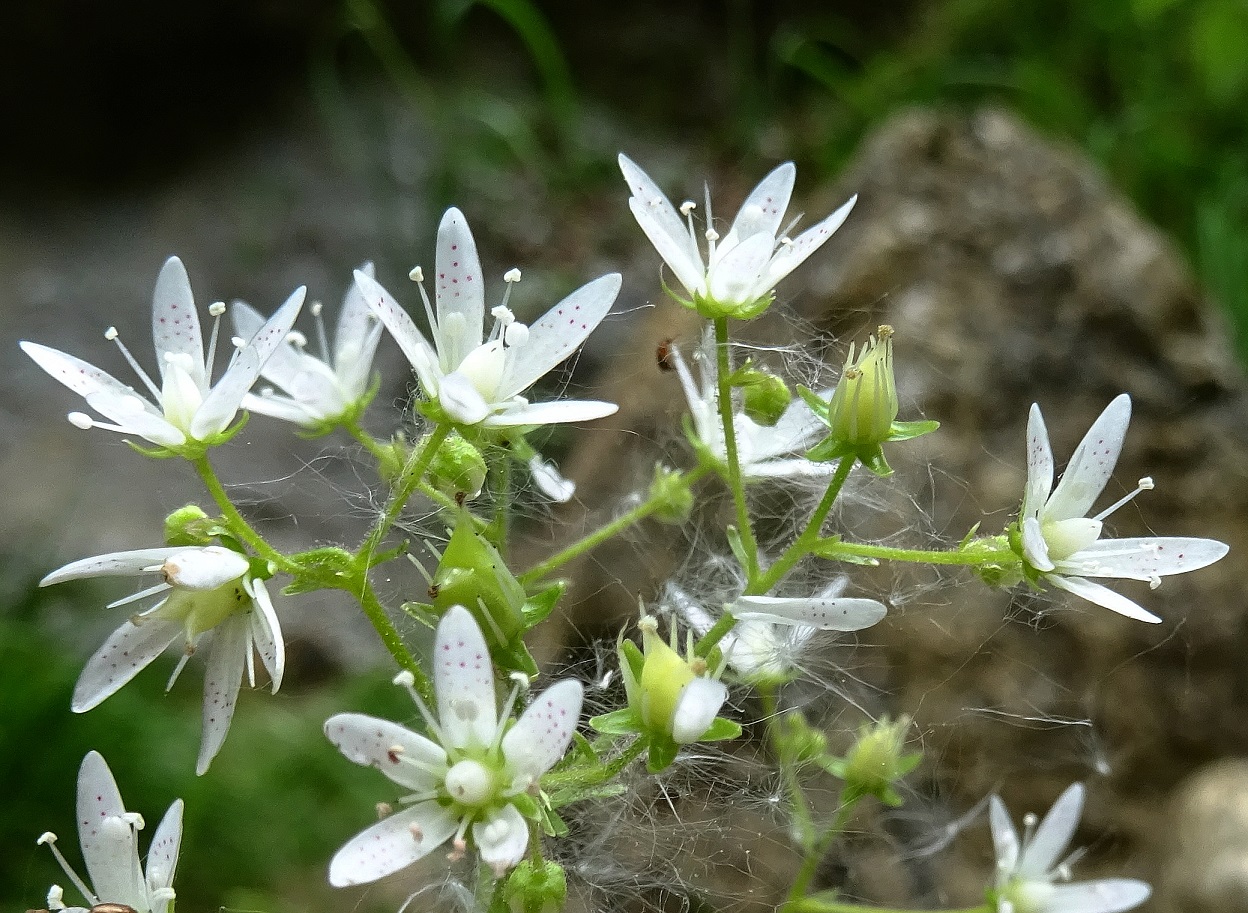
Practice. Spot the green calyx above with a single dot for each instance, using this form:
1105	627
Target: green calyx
536	887
671	494
457	469
765	396
877	761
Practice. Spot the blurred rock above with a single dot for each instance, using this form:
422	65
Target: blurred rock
1205	868
1012	274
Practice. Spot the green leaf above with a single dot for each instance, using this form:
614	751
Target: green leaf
538	607
738	549
617	722
721	729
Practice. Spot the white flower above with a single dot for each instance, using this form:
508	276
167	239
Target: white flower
1025	875
478	379
109	837
319	392
1065	546
761	450
204	589
771	630
467	775
741	268
188	407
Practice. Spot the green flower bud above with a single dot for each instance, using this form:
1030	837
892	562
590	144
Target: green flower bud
530	889
878	760
765	395
473	574
191	526
458	468
672	494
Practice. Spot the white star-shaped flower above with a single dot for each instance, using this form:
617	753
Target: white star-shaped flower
204	589
741	268
1026	874
110	847
763	452
317	392
771	630
187	405
477	378
1065	547
465	777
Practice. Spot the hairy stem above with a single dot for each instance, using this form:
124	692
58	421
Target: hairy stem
389	634
239	527
409	480
810	535
732	459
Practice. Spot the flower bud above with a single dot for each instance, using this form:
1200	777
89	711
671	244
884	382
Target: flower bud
531	889
473	574
672	494
458	468
765	396
190	526
864	404
878	760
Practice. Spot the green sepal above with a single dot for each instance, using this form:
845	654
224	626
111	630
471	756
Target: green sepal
738	548
662	753
527	806
539	606
721	729
581	750
349	416
552	824
817	403
633	656
873	459
908	431
322	568
830	449
707	643
515	657
617	722
712	310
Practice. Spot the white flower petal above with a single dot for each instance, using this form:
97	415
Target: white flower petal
461	400
1049	842
280	407
175	322
501	839
390	844
227	657
355	336
544	730
764	208
80	376
789	257
550	481
1092	464
737	276
1102	596
128	650
1039	464
109	842
420	354
463	677
135	415
266	633
283	365
1035	548
382	744
1004	837
222	402
696	708
459	289
207	568
552	413
114	564
162	855
663	226
557	334
1143	559
1106	895
824	613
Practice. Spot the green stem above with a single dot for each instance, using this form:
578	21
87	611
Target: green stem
964	557
409	480
367	440
579	777
809	536
389	635
597	537
724	395
239	527
799	806
819	847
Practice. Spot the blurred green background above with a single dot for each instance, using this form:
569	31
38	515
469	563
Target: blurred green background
522	104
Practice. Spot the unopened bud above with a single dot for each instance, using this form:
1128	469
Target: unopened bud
878	760
189	525
536	889
672	494
458	469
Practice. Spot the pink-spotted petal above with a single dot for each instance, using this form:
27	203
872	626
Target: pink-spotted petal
790	256
1143	559
224	676
162	855
463	677
1102	596
824	613
266	633
1039	465
763	209
283	365
128	650
420	354
108	839
114	564
404	756
392	844
1035	548
557	334
544	731
80	376
460	290
175	322
738	275
501	839
552	413
1047	845
1092	464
